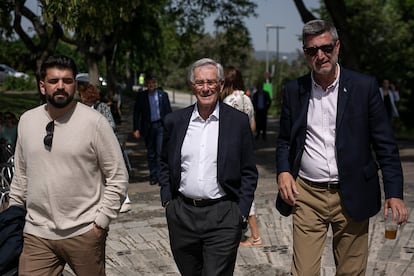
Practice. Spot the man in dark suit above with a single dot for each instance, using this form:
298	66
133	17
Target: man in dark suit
208	176
151	106
331	121
261	103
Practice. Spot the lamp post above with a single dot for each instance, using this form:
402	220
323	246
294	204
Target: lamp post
277	28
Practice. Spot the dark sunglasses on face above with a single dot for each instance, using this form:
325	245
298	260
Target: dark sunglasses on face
50	127
313	51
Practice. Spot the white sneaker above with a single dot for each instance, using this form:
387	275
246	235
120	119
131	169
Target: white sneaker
126	207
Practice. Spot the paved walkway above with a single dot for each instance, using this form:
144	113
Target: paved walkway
138	240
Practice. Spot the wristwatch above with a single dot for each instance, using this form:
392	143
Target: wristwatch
165	203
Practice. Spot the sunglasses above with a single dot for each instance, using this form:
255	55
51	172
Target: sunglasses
313	51
50	127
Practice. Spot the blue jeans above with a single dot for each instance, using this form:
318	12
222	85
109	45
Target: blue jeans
153	142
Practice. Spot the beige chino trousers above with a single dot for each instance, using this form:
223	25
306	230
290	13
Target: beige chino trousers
316	210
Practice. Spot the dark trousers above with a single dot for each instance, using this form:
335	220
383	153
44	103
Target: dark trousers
261	121
153	142
204	240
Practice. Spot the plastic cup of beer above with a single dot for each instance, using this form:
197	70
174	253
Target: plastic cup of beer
391	226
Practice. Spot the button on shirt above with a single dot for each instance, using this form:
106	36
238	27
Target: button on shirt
319	161
154	106
199	158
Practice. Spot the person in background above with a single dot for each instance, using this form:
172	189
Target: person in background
208	176
389	99
249	92
141	81
70	177
9	129
331	123
261	103
151	106
90	96
233	95
396	94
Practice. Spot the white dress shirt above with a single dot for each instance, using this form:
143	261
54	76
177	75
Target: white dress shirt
319	160
199	157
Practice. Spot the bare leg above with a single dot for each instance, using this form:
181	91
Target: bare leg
254	239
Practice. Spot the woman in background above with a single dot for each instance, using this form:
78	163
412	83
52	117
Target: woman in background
8	133
90	96
233	95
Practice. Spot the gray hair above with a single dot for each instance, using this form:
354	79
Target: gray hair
204	62
317	27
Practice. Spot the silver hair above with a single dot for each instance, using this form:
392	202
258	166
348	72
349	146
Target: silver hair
204	62
317	27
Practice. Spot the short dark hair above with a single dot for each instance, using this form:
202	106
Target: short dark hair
150	77
58	61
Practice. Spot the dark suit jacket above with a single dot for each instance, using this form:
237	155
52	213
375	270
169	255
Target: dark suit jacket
142	111
12	222
267	100
236	165
362	129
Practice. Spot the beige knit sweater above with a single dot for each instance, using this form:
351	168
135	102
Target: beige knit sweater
81	180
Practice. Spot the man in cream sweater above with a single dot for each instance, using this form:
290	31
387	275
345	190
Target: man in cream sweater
70	177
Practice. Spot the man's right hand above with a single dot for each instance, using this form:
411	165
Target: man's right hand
287	188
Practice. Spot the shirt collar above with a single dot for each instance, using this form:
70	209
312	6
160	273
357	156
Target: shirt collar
213	116
333	84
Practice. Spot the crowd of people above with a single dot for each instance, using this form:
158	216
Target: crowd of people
203	159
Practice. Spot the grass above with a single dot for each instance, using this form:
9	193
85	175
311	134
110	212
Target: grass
18	102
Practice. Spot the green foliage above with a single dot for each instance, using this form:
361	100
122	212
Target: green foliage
385	49
17	102
5	18
19	84
15	54
89	18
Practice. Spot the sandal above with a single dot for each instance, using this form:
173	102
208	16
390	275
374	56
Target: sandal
252	242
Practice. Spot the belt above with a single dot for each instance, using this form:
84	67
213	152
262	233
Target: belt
334	185
201	202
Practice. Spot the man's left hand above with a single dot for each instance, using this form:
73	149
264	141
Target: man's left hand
398	207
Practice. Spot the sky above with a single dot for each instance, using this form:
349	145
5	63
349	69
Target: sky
277	13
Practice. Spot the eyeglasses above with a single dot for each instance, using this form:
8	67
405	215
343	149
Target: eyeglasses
210	84
313	51
50	127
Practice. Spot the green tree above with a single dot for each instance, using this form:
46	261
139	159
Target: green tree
127	36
